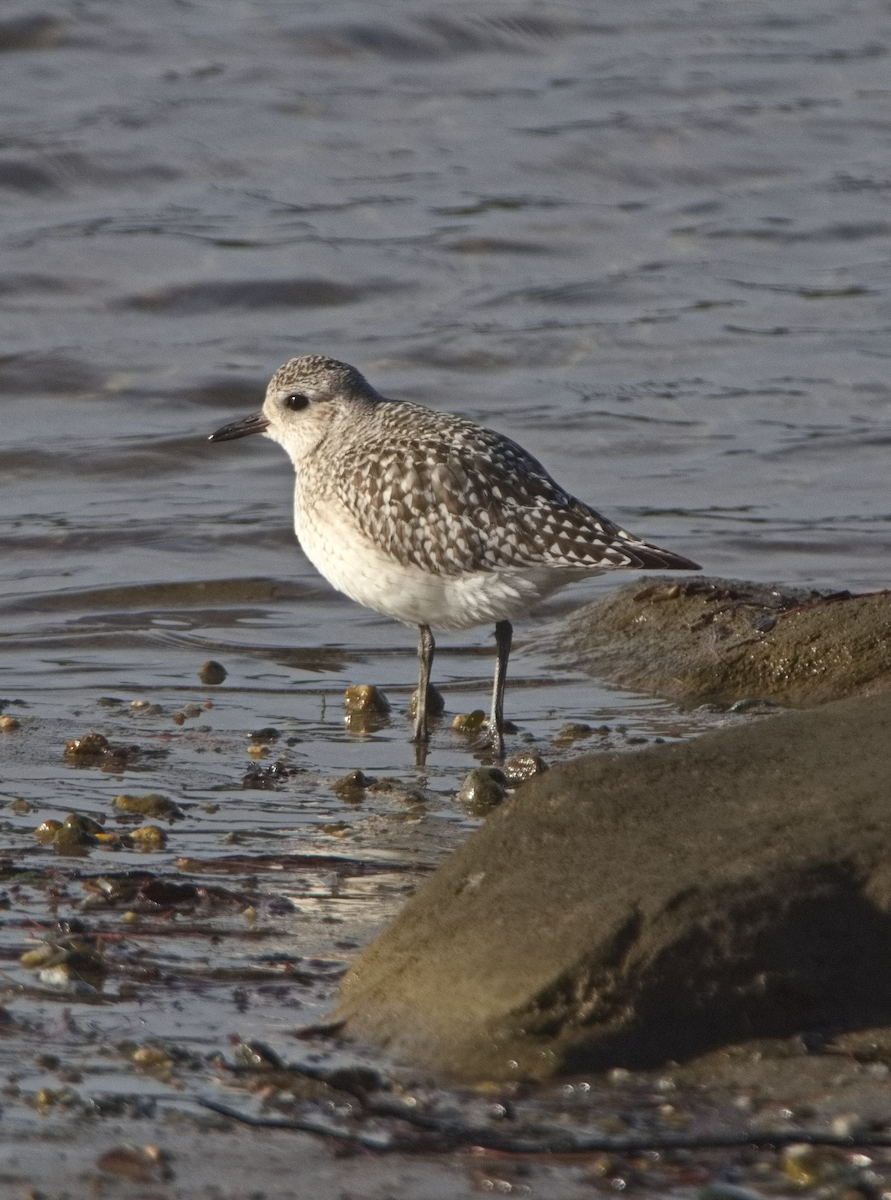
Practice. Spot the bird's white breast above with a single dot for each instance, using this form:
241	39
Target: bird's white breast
356	566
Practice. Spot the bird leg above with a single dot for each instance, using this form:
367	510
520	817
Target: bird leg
426	646
504	633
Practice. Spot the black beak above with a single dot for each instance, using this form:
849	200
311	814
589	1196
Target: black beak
255	423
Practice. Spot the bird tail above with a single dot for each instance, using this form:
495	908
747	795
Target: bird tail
653	558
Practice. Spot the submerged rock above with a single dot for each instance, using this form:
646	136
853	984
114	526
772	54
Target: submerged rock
212	673
625	910
365	698
482	789
722	641
151	805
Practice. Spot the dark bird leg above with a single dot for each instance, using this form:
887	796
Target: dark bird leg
504	633
426	646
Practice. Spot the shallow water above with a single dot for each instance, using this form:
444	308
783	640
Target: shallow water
650	244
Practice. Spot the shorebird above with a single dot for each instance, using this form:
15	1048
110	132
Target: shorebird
429	518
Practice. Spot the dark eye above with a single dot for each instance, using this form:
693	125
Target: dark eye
296	401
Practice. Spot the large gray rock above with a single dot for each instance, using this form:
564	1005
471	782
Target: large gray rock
634	908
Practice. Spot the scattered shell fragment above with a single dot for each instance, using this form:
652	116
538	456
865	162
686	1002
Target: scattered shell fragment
212	672
257	751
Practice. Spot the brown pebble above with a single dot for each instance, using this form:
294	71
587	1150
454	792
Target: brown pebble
148	838
365	698
481	790
46	832
265	736
522	766
470	722
9	724
351	788
212	672
179	718
137	1164
151	805
573	732
91	745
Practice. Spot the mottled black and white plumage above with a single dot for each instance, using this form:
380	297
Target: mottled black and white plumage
427	517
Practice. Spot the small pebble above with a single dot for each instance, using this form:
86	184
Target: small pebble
46	833
9	724
471	722
148	838
351	788
482	789
264	736
150	1058
151	805
523	766
573	732
365	698
212	672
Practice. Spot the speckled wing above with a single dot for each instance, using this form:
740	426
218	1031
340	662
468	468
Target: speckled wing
455	497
